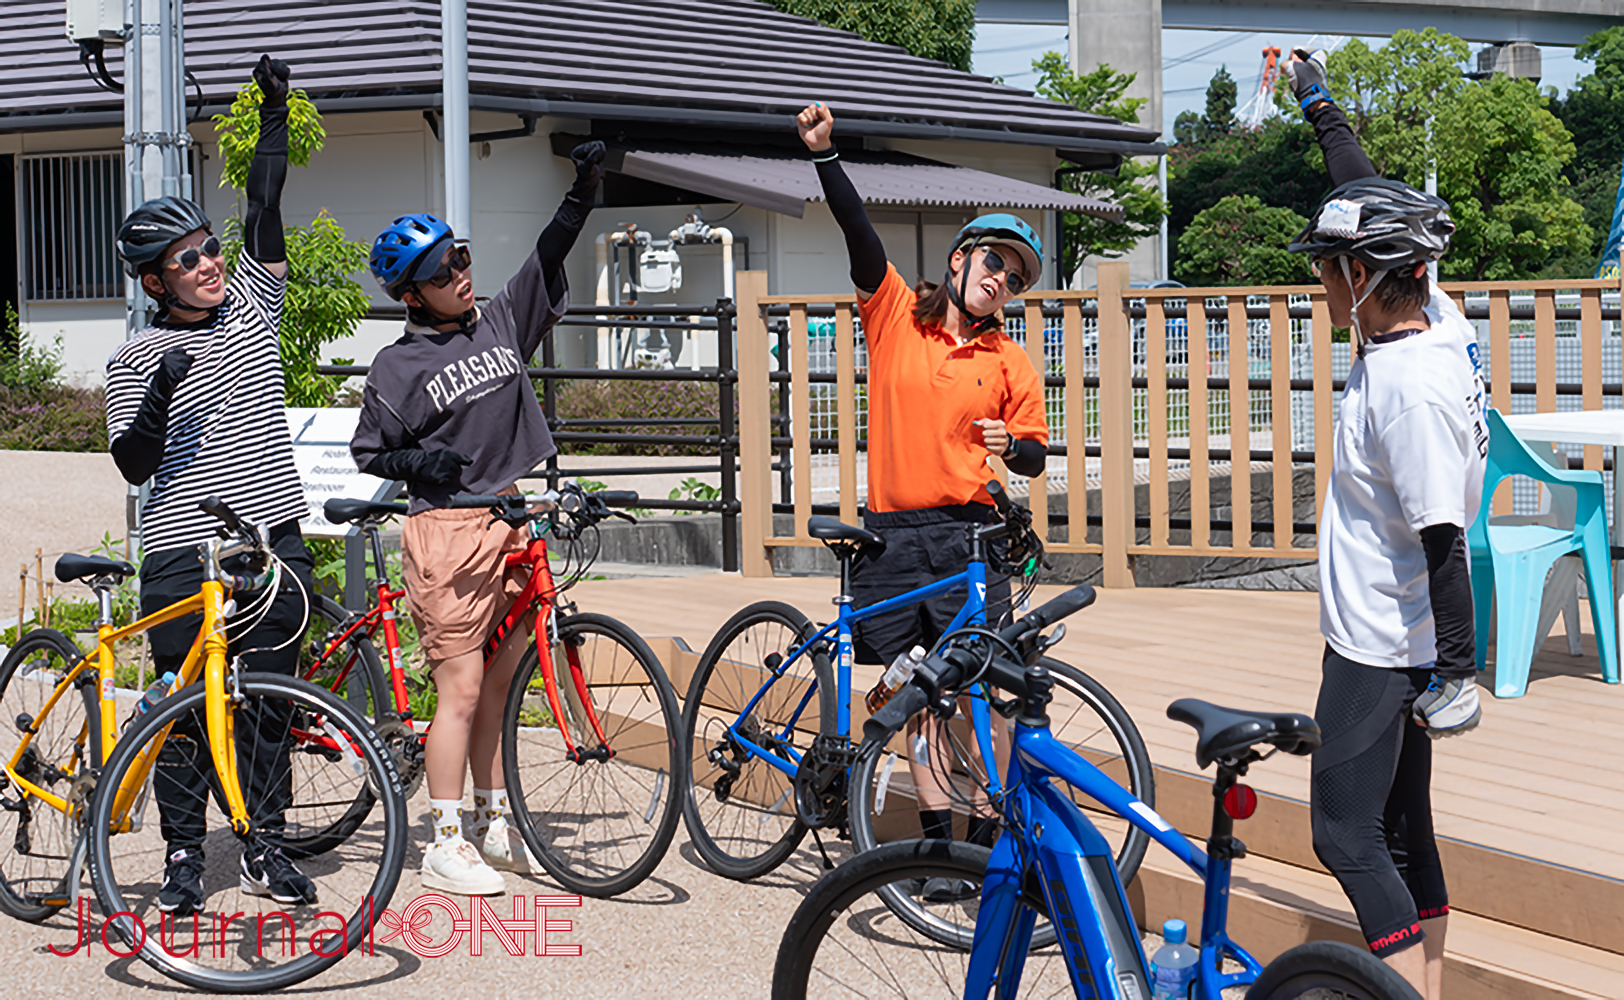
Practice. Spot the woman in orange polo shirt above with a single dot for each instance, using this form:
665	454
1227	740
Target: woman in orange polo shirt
947	389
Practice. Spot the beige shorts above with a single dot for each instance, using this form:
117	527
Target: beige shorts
457	579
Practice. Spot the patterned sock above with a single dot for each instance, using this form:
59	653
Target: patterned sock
446	816
488	805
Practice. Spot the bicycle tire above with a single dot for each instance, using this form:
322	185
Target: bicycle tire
1340	970
617	832
1123	752
717	823
126	880
819	953
35	862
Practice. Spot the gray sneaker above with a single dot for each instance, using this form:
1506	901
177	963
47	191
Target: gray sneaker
1448	707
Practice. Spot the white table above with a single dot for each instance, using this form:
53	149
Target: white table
1603	427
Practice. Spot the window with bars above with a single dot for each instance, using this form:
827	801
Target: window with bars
71	207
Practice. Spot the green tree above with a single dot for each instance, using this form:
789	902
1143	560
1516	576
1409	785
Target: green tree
1242	241
943	30
324	302
1593	112
1192	129
1132	187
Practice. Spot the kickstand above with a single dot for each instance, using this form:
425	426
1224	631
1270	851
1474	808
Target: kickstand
828	865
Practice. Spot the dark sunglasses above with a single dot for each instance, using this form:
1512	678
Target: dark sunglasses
189	259
1014	280
459	259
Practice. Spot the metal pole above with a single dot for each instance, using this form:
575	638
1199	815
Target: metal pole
135	300
1161	185
454	88
549	402
727	374
177	83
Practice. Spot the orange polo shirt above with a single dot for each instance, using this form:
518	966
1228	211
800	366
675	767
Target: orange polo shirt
924	391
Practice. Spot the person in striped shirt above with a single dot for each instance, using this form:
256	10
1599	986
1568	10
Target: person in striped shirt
195	404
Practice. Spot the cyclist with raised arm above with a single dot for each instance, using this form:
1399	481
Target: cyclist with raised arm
195	403
947	389
448	408
1395	593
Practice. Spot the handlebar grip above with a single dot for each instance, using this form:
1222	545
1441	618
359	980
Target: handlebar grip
218	508
1000	497
617	498
1069	603
890	719
481	499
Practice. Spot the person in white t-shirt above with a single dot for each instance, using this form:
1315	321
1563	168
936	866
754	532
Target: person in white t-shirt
1395	591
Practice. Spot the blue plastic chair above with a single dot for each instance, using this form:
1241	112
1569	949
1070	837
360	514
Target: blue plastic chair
1511	562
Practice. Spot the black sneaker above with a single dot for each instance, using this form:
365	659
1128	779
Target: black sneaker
268	872
182	891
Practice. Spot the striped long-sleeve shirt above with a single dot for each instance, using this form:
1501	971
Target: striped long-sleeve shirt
228	432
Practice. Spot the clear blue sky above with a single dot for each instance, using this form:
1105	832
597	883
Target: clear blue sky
1189	58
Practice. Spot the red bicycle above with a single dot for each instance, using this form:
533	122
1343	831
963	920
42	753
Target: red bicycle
589	747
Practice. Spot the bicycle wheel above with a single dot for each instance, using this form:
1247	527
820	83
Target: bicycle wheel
845	941
261	948
740	809
1083	715
602	823
354	672
1330	970
37	838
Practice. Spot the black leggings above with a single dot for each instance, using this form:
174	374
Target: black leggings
1371	800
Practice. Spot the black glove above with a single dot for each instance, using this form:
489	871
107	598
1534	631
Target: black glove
1307	74
172	367
272	77
139	450
441	467
588	159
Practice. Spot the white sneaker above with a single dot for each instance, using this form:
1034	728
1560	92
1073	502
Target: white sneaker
504	850
1448	707
456	867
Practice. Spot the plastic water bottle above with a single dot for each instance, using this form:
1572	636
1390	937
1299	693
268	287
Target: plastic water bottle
154	694
896	675
1174	966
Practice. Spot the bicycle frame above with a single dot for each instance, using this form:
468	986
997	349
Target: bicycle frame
1048	833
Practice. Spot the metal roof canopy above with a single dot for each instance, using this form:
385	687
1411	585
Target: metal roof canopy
736	64
785	181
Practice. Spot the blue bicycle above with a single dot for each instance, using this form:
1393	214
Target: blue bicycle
848	939
767	722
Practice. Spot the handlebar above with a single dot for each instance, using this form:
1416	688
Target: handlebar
216	507
514	508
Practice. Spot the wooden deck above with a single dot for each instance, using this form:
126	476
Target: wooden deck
1532	802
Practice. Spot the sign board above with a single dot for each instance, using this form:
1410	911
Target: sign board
321	451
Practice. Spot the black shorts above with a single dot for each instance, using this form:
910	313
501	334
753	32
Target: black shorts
1370	798
921	547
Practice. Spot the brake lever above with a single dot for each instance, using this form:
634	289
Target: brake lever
623	516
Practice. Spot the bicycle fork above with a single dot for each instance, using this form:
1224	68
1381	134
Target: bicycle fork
571	703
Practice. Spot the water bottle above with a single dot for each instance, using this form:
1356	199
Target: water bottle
1173	968
154	694
896	675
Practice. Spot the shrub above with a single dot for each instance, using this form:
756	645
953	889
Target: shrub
57	418
617	399
23	364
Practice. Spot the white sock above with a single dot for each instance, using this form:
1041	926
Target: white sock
489	803
446	817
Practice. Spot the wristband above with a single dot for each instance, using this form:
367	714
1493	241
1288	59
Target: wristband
1316	93
833	154
1011	448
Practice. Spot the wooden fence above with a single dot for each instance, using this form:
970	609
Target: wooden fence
1119	398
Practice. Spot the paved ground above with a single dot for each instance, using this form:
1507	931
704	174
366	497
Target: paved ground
59	502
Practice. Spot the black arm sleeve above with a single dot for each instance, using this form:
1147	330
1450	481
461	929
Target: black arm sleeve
1344	159
1450	585
1029	459
262	228
140	449
555	242
863	244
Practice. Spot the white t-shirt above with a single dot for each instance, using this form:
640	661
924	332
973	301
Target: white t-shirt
1410	448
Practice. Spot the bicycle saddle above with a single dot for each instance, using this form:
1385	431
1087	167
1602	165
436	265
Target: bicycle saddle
72	567
344	511
1225	732
828	529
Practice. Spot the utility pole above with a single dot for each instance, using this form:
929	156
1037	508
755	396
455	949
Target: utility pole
454	92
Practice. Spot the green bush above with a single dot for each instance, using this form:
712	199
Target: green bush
617	399
57	418
1241	241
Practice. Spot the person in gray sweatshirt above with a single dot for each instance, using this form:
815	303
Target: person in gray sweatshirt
448	409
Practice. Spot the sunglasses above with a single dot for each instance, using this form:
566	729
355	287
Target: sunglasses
1014	280
189	259
459	259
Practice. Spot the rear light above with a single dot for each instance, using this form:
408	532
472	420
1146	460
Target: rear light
1240	802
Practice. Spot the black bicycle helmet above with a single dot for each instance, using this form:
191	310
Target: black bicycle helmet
1383	223
153	226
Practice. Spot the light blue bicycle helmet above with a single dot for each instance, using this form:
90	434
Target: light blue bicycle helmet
408	251
998	229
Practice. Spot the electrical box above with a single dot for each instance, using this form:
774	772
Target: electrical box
95	19
659	270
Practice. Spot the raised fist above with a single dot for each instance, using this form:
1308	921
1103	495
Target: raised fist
815	123
1308	76
172	367
272	77
588	160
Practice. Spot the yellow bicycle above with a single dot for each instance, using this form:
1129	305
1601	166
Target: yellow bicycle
259	755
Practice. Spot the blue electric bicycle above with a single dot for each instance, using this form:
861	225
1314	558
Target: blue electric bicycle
767	721
850	939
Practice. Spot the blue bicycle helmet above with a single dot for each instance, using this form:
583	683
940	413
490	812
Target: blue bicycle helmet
408	251
1008	230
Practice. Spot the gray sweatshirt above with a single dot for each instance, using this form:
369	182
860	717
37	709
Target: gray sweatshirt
466	391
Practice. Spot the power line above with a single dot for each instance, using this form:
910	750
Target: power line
1207	50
